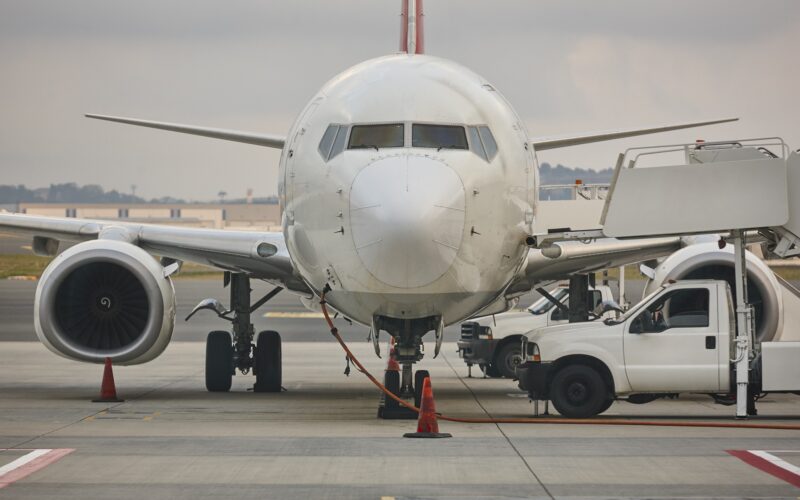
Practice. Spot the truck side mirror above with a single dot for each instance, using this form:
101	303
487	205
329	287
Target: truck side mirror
606	306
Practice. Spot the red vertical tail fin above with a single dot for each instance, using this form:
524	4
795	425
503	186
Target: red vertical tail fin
412	39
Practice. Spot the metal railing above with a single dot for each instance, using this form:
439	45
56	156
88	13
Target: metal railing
576	191
779	149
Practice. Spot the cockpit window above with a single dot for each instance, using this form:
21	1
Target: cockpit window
482	142
389	135
332	142
475	144
438	136
488	141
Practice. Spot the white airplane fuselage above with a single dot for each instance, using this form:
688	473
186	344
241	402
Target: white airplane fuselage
407	231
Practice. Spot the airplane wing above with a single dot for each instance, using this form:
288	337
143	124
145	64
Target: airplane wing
259	254
270	141
581	258
544	143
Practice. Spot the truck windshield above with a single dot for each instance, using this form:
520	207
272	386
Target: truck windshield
543	305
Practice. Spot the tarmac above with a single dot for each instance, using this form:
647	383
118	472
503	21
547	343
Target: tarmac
321	438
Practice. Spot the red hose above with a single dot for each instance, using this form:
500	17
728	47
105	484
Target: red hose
567	421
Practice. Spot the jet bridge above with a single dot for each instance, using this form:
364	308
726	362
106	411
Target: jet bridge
731	188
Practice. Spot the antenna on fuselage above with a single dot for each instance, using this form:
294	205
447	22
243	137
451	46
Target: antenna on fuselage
412	40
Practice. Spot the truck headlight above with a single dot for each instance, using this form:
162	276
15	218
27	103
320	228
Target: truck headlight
532	352
485	333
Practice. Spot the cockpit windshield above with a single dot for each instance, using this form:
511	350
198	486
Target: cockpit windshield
438	136
387	135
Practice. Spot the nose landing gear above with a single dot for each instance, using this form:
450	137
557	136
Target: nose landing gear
226	352
405	383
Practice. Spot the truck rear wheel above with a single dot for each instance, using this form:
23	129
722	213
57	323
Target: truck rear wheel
578	391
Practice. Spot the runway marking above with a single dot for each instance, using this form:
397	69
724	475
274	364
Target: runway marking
29	463
769	463
294	315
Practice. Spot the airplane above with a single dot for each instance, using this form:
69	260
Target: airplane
408	188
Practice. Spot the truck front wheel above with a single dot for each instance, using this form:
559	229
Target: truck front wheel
507	358
578	391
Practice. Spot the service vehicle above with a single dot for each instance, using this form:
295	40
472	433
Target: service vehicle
679	339
493	342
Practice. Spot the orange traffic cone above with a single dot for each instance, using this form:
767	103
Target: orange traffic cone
108	390
427	425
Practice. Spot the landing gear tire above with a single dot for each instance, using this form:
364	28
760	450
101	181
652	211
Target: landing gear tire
507	359
267	365
219	361
578	391
419	380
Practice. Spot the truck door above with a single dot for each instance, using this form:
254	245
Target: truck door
672	345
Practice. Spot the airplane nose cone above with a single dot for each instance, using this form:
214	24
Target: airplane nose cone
407	218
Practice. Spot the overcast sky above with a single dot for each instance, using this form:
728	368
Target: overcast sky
566	66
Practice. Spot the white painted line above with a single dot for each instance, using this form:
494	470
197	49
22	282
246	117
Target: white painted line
29	463
24	459
769	463
783	464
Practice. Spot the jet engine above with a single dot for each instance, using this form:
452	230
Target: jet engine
105	298
708	261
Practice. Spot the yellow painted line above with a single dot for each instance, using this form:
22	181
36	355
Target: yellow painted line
294	315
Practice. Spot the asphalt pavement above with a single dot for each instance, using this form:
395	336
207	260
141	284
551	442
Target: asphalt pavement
320	439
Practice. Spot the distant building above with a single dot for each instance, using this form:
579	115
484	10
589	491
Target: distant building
257	217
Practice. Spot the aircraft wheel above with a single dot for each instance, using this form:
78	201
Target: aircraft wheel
268	362
219	361
419	379
578	391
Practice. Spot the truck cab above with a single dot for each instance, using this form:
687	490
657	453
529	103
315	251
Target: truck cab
678	339
493	342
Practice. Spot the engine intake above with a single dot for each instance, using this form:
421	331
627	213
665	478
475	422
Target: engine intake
707	261
103	299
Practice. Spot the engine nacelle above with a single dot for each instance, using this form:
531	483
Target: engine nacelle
708	261
105	298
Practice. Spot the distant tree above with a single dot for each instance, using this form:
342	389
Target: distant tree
17	194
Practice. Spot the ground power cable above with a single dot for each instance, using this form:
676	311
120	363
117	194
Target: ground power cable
560	421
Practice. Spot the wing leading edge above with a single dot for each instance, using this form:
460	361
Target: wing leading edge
544	143
265	140
259	254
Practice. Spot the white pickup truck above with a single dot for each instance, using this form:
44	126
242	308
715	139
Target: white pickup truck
493	342
679	339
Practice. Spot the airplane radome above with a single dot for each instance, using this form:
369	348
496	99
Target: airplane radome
408	187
